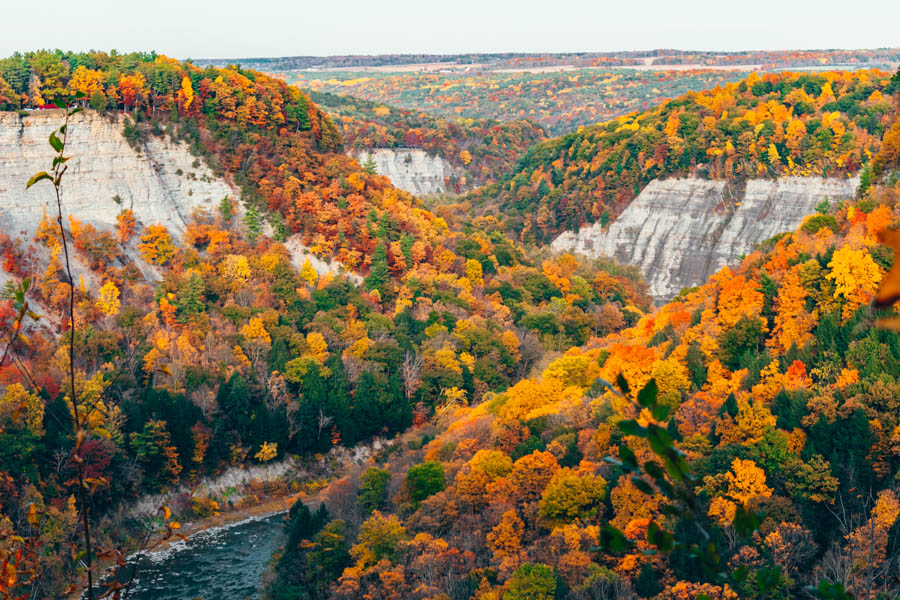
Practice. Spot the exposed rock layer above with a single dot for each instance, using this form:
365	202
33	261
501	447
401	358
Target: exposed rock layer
103	167
411	169
681	231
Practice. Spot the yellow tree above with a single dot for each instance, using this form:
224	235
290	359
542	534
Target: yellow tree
856	278
109	299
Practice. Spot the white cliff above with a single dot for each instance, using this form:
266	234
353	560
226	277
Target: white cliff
162	183
681	231
411	169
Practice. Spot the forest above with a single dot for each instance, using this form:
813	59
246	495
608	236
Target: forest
481	150
552	435
771	125
231	356
559	101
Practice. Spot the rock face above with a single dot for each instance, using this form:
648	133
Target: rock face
411	169
681	231
162	183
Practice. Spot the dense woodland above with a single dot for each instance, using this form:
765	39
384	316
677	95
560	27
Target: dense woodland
229	355
559	101
481	150
769	394
787	124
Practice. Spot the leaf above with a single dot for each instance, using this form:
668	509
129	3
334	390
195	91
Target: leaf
623	384
660	411
647	396
56	142
38	177
167	513
642	485
629	460
59	102
630	427
75	111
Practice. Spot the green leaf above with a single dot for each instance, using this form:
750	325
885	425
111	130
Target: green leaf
660	411
628	457
642	485
59	102
57	160
56	142
647	396
630	427
75	111
613	540
37	177
623	384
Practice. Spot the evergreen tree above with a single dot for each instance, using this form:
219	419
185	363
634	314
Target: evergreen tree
253	221
378	272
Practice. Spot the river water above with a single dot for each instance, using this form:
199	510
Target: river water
225	563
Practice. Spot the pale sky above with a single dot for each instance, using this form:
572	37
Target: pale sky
255	28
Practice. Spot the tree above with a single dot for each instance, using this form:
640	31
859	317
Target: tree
373	489
571	496
253	222
424	480
531	582
379	273
109	299
379	537
156	245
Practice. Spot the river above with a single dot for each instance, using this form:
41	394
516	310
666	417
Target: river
223	563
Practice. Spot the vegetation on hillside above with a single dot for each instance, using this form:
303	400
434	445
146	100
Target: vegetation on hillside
826	124
213	351
751	451
559	101
481	150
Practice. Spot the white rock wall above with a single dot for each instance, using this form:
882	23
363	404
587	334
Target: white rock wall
411	169
681	231
103	166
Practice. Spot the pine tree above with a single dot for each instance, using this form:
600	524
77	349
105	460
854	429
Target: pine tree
378	272
253	222
370	166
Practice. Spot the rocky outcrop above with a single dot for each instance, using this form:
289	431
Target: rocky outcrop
411	169
162	182
681	231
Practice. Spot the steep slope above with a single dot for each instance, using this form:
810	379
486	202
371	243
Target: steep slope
160	181
681	231
773	125
412	169
229	350
458	154
772	381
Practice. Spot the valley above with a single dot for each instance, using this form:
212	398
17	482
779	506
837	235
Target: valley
543	327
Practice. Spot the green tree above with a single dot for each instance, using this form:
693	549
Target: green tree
531	582
373	489
378	272
253	221
425	479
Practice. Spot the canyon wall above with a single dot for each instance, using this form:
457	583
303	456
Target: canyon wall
411	169
681	231
161	182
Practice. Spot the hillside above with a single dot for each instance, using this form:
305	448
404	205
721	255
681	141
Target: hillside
788	124
477	151
768	398
662	57
202	342
558	99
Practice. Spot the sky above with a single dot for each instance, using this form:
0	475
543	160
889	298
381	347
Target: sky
255	28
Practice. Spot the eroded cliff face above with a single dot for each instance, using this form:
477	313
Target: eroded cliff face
411	169
681	231
162	183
